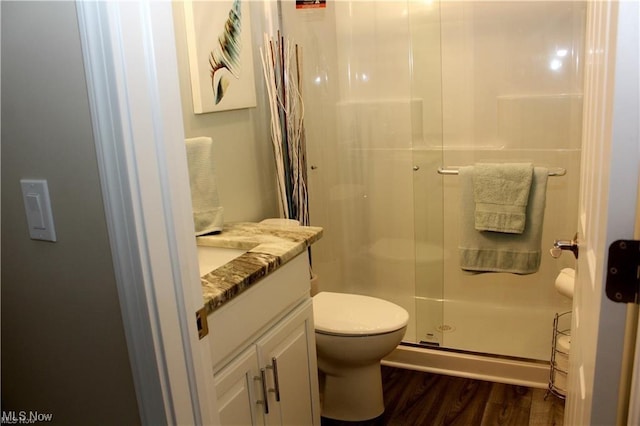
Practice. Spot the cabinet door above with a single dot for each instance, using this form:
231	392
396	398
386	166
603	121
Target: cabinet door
289	354
237	386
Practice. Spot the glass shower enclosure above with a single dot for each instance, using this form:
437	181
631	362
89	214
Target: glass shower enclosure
395	91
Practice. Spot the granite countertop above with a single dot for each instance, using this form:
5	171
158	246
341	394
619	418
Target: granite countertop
268	247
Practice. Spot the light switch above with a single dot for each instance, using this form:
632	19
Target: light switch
34	211
37	205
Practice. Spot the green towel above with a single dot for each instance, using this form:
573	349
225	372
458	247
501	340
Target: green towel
496	251
501	193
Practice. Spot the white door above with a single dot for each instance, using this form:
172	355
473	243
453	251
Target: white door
134	98
609	181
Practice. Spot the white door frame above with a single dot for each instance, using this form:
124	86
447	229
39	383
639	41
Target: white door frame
609	180
131	69
633	415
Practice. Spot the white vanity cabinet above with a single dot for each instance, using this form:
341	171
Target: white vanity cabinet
263	350
284	355
236	390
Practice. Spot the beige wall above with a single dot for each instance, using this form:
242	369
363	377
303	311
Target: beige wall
63	344
245	168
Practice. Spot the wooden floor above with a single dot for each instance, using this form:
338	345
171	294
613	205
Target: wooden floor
413	398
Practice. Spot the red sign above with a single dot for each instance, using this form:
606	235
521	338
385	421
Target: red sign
311	4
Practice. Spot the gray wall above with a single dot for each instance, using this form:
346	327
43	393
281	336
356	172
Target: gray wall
245	169
63	344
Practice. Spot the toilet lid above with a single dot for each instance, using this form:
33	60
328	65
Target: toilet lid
340	313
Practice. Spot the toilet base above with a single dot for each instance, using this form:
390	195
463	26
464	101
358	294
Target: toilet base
353	394
378	421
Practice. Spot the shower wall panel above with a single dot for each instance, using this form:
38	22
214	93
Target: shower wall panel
492	50
511	93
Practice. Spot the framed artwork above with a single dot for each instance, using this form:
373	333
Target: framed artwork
220	55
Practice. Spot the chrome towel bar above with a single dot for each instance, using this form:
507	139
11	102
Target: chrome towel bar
558	171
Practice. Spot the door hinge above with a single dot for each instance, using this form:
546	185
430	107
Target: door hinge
623	271
201	322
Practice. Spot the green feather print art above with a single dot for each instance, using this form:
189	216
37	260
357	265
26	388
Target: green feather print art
225	57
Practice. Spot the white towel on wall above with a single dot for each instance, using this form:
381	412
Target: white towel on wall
207	211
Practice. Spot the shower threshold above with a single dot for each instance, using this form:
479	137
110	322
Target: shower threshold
452	362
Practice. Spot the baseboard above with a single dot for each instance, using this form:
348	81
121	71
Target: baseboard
474	366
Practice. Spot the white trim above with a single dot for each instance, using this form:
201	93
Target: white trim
478	367
634	399
131	70
626	131
119	211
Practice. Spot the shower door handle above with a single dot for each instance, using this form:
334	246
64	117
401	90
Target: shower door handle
559	245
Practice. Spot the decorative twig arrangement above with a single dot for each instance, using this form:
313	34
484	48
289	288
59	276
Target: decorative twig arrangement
281	63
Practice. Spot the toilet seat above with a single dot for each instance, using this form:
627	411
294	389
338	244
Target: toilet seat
356	315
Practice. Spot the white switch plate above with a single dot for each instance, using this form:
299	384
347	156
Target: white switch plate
37	205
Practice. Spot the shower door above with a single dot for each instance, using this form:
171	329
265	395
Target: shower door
362	122
426	88
395	90
511	92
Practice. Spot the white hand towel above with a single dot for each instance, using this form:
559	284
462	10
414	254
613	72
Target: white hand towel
207	212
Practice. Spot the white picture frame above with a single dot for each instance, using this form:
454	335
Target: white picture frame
219	38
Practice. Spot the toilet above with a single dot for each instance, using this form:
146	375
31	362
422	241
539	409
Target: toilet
353	333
